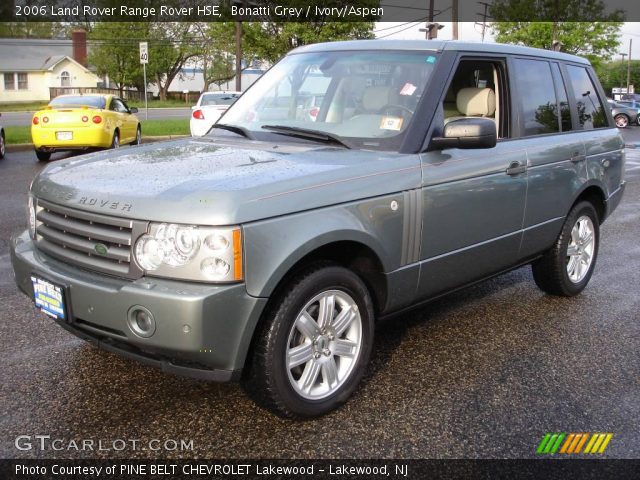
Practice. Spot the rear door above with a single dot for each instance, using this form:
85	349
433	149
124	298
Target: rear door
555	153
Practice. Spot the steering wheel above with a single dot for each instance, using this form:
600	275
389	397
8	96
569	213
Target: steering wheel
391	106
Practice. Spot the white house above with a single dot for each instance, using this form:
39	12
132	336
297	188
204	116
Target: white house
29	67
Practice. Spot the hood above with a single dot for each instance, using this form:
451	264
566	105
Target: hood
222	182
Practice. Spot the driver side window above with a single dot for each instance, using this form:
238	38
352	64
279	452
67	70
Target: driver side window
478	90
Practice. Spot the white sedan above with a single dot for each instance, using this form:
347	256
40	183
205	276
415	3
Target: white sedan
210	106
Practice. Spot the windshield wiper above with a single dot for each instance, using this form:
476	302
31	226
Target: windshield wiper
233	128
306	133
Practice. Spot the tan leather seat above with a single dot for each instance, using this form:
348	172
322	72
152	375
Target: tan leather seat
475	102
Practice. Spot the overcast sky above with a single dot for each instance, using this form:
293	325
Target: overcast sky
471	31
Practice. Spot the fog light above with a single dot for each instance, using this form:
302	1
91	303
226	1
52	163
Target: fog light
141	321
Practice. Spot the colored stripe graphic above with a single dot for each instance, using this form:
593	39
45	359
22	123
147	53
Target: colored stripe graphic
572	443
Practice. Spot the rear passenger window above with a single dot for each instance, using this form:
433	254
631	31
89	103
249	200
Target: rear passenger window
590	110
561	93
537	97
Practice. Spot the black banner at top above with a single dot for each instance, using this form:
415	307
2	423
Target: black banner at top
317	10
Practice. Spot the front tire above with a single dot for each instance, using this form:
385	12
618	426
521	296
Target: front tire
2	145
138	139
43	156
622	121
565	270
314	345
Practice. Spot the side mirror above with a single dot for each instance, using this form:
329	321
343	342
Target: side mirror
133	110
472	132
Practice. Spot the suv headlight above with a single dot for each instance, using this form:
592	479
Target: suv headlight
190	252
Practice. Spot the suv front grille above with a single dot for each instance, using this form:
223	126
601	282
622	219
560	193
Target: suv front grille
88	240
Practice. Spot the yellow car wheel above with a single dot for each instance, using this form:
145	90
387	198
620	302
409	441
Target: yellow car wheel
43	156
138	139
115	143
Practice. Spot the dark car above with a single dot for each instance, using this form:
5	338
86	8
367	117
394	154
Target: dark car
622	114
635	104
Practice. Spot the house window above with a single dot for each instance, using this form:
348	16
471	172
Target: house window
13	79
65	79
9	81
23	83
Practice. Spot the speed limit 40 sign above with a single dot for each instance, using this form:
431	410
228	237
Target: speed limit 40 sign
144	52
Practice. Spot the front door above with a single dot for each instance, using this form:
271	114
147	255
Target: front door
473	200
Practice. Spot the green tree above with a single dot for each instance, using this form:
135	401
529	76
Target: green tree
114	52
577	24
216	52
272	40
32	30
614	74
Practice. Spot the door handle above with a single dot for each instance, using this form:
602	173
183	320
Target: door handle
516	168
577	157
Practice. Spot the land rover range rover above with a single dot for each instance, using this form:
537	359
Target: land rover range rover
266	250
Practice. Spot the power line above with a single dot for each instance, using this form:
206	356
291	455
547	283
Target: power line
406	28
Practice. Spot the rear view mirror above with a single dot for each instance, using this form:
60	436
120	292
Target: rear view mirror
472	132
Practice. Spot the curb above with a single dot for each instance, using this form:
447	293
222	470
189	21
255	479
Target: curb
22	147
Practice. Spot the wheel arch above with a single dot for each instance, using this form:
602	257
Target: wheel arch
353	254
594	194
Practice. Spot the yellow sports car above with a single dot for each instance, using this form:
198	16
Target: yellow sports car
81	122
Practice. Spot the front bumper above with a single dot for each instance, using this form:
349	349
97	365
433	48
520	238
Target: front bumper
202	331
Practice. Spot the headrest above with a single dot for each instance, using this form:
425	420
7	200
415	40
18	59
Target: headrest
374	98
476	102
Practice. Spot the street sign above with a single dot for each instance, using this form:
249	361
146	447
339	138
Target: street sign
144	52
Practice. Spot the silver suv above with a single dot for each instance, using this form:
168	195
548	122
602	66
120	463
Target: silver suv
267	250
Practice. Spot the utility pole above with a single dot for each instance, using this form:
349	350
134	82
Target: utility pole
484	16
238	56
431	28
454	18
629	67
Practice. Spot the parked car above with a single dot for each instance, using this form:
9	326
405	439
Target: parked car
82	122
622	114
2	141
267	250
210	106
635	104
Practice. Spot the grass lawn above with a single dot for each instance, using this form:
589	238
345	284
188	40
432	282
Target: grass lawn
32	106
17	134
150	128
22	106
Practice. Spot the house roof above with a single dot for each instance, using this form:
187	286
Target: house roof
33	54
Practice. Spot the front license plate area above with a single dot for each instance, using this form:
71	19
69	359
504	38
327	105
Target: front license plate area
64	135
49	297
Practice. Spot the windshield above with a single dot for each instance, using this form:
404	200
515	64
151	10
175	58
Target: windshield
366	99
88	100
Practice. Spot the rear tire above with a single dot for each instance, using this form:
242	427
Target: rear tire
622	121
312	349
43	156
567	267
115	143
2	145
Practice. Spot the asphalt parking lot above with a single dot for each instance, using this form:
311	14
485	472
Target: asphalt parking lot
484	372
